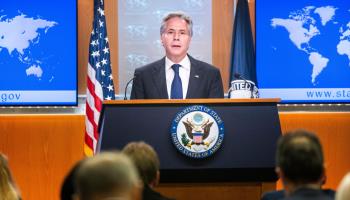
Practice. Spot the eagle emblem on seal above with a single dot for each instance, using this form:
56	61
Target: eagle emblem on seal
197	130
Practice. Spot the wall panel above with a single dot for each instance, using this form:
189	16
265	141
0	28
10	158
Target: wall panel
41	149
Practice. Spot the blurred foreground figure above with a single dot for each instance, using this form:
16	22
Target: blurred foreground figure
109	175
8	189
300	165
146	161
343	192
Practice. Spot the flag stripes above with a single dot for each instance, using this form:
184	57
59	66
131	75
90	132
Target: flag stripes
99	78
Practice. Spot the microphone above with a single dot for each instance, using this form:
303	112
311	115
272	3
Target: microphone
126	87
238	76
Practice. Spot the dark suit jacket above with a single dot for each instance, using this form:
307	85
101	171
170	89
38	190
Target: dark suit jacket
149	194
301	194
309	194
150	82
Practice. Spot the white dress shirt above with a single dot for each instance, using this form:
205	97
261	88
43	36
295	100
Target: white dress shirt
184	72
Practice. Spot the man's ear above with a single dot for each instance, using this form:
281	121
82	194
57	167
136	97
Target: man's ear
158	177
155	182
162	39
279	173
323	177
75	196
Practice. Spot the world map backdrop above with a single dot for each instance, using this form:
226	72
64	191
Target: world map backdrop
303	50
38	52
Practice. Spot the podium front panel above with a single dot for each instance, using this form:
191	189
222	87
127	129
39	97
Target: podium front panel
247	151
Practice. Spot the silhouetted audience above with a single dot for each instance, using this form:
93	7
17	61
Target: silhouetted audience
147	163
68	188
8	188
300	165
108	175
343	192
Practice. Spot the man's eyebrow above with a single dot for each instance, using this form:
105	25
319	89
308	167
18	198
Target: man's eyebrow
173	29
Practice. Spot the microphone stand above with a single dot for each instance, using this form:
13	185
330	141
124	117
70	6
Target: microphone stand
126	87
251	91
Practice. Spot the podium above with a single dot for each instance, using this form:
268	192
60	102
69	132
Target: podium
246	154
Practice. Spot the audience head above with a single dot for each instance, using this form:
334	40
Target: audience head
146	161
7	186
299	159
343	192
108	175
68	187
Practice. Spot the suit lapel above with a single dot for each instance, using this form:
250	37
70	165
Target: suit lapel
158	75
195	77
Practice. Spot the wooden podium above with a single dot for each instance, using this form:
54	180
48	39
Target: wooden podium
246	156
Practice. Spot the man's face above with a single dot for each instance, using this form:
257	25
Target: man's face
176	39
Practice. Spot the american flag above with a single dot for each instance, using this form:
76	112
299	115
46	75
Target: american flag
99	77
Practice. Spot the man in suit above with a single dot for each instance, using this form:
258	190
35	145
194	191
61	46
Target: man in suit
147	163
177	75
108	175
300	165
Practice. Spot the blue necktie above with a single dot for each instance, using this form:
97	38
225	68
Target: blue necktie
176	85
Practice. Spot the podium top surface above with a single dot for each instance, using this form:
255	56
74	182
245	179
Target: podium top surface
192	101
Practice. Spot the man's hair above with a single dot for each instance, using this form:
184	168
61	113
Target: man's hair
180	15
145	159
300	157
109	174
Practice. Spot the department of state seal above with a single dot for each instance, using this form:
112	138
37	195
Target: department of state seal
197	131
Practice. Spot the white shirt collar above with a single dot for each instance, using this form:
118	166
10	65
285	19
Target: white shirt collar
185	63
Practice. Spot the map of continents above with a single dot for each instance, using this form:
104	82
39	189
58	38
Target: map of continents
302	28
21	33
